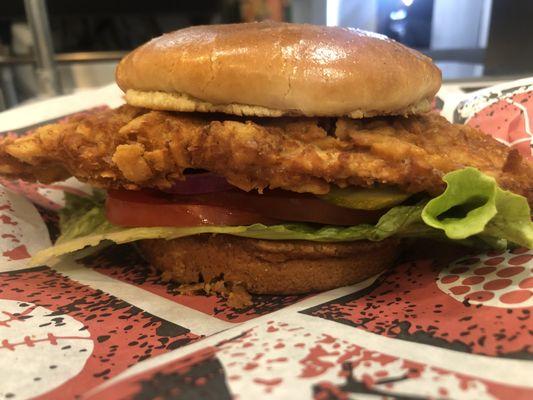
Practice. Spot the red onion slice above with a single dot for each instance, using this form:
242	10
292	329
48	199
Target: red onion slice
200	183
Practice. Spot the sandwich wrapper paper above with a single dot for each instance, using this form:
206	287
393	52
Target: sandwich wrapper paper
105	326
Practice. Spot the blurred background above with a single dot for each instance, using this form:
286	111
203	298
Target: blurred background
50	47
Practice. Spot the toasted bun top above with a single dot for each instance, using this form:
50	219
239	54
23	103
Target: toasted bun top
278	69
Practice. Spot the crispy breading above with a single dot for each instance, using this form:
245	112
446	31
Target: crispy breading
135	148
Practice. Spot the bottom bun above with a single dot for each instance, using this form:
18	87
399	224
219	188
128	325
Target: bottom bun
267	266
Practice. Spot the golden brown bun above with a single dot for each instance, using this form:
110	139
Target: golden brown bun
278	69
267	266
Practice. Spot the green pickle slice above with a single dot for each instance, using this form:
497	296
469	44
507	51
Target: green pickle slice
365	198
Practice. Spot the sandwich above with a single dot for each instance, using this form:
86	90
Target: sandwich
280	157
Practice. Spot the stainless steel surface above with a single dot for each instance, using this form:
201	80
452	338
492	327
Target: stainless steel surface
484	81
470	55
45	69
89	56
7	88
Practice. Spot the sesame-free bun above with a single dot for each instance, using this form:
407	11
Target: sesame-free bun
275	69
269	266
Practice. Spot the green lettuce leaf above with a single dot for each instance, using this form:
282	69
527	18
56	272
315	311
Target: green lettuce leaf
83	216
473	210
474	204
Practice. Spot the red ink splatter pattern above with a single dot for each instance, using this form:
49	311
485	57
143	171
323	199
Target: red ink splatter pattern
324	367
122	334
509	119
413	302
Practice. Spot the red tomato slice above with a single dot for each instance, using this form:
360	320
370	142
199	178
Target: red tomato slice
131	208
289	206
232	207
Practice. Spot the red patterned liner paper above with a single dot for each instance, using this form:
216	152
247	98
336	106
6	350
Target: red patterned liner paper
106	325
